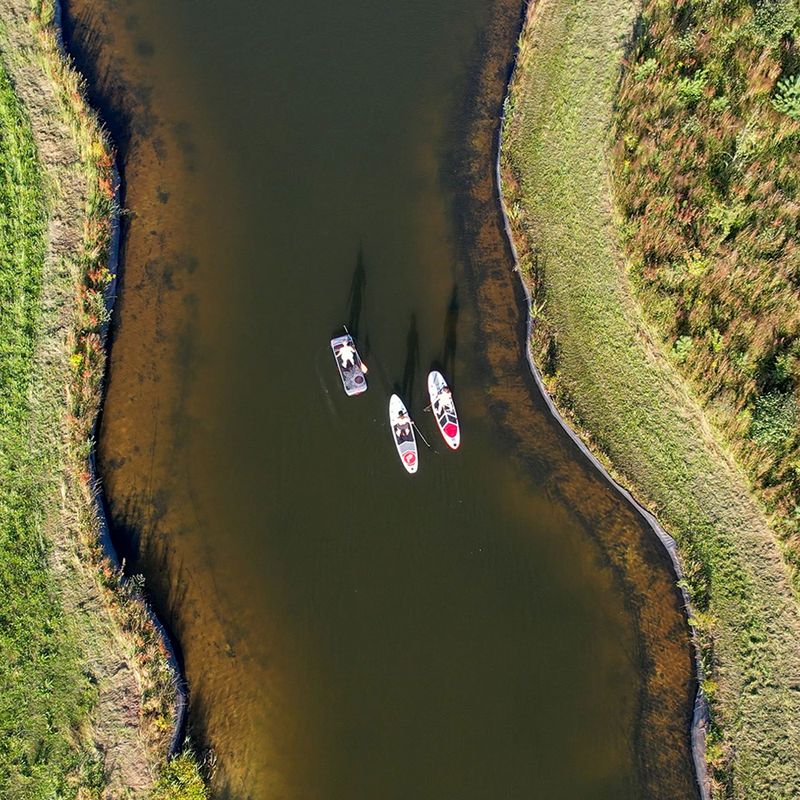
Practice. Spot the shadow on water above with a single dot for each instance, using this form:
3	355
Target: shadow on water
412	360
448	358
355	300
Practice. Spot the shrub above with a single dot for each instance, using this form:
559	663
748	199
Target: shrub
787	96
181	780
681	348
690	90
644	70
774	420
719	104
773	19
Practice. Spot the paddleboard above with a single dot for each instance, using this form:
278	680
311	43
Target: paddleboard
351	368
444	409
403	434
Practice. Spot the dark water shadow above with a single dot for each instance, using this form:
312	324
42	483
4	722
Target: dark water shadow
447	361
355	300
411	366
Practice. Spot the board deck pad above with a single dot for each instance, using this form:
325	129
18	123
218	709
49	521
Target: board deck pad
444	409
349	364
402	429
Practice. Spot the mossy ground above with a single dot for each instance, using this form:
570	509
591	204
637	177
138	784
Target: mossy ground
610	375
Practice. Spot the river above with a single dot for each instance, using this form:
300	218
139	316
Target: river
500	625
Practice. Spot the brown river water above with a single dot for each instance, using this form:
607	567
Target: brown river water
500	625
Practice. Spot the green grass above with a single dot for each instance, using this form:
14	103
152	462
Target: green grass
44	695
609	374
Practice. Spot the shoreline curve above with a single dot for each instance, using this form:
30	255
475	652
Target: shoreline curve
171	647
700	712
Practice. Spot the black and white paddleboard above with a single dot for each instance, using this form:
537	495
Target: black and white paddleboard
403	434
351	367
444	409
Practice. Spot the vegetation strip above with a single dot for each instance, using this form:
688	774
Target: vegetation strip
87	695
706	161
600	363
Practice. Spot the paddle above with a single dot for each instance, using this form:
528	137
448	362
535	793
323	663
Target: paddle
419	432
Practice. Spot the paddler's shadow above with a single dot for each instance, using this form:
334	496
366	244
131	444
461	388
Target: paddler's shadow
412	360
448	360
358	286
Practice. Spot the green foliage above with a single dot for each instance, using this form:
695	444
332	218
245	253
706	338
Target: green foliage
644	70
774	420
773	20
181	779
690	90
719	105
682	348
787	96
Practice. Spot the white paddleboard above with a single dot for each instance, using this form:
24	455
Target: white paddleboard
444	409
351	368
403	434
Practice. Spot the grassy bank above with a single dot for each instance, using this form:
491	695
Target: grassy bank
611	377
86	693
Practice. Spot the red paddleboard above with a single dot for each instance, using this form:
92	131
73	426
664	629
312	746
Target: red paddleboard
444	409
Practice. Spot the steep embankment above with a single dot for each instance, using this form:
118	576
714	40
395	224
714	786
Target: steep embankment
86	694
610	375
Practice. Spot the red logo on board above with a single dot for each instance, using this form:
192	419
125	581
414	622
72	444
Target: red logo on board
410	457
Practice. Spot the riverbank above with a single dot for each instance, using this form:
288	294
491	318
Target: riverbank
609	377
88	694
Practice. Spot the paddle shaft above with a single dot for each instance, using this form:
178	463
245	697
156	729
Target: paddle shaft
420	433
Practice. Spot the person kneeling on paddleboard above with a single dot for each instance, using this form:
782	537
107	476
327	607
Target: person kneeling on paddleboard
444	399
402	429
